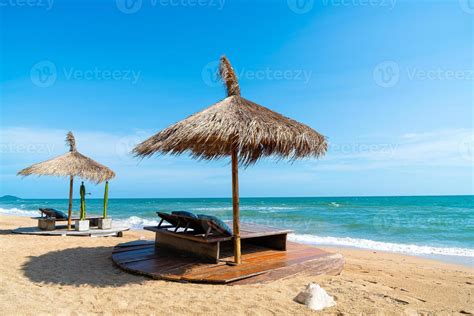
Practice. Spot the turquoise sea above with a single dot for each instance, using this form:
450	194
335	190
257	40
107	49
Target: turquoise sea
436	226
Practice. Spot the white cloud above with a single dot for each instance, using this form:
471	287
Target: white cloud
449	148
21	147
183	176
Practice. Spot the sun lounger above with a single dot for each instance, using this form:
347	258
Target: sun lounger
51	212
174	221
49	217
197	225
204	238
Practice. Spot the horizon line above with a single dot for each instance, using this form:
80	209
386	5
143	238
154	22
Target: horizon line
249	197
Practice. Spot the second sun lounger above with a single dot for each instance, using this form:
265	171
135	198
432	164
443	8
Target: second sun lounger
48	219
201	238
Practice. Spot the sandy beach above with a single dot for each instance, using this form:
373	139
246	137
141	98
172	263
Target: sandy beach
74	275
241	153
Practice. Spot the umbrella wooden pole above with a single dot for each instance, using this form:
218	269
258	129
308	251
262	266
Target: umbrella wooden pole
69	212
235	206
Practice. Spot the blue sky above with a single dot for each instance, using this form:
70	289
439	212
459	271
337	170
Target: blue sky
389	82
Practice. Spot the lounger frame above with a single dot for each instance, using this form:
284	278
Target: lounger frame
204	239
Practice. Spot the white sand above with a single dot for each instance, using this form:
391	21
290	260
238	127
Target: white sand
69	275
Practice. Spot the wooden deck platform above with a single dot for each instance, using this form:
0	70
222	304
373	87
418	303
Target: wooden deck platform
259	264
210	247
62	231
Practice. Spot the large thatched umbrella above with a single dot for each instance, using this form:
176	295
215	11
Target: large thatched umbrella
72	164
238	128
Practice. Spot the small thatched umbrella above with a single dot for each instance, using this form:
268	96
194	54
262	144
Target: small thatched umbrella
71	164
238	128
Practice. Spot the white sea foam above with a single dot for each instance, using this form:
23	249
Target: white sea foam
136	222
18	212
213	209
266	210
260	209
382	246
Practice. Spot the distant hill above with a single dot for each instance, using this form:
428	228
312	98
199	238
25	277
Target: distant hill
9	198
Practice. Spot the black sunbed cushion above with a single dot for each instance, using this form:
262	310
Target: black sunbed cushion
184	213
170	218
51	212
217	221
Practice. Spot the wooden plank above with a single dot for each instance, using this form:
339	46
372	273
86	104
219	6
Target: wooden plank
135	243
124	256
258	266
247	231
273	260
164	267
116	230
329	264
277	242
208	251
65	219
255	228
127	249
189	236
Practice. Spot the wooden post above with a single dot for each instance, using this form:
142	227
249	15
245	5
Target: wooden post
235	206
69	212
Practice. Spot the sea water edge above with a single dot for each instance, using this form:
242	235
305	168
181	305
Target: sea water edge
436	227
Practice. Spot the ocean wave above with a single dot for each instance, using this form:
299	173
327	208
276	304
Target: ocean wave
382	246
212	209
269	210
335	204
260	209
18	212
135	222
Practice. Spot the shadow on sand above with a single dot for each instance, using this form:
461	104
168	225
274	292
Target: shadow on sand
6	232
78	266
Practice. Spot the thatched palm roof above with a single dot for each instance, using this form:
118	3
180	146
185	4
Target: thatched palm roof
236	122
72	163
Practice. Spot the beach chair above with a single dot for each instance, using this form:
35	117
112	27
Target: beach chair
211	226
177	221
49	217
204	236
51	212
